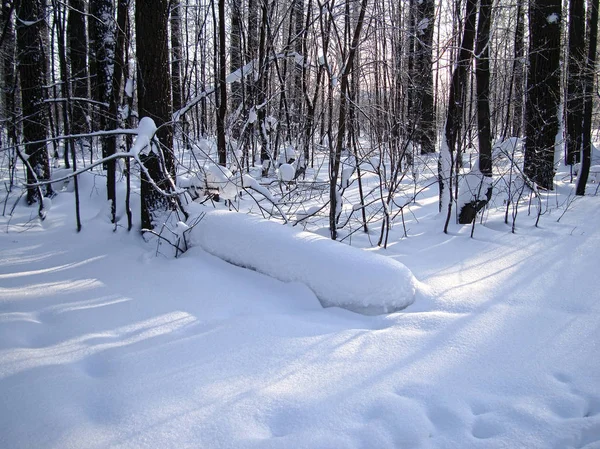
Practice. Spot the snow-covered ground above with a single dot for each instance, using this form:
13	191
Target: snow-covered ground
106	343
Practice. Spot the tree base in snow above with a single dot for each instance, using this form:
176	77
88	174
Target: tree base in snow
469	211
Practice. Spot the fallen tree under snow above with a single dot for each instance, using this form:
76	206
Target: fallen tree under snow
338	274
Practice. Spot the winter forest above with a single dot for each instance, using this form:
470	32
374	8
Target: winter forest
307	224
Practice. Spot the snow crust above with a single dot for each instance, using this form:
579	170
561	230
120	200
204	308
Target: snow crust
338	274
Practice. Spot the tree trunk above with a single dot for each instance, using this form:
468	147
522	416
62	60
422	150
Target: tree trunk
455	110
336	159
543	91
154	101
423	69
575	80
113	107
176	55
77	50
32	73
482	74
222	104
101	32
518	71
589	101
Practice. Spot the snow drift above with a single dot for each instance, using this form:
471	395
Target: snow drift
338	274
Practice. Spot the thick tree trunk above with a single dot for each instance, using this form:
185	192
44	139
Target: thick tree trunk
455	112
589	87
32	73
482	74
77	49
101	33
519	72
575	81
235	52
222	105
154	101
423	70
543	91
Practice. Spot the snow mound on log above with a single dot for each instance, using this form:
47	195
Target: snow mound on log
338	274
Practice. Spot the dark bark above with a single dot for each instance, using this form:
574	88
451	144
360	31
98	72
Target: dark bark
67	110
543	91
222	104
235	52
115	99
261	92
9	75
336	157
176	55
519	72
154	101
32	73
77	49
588	108
575	80
456	103
482	74
101	29
424	110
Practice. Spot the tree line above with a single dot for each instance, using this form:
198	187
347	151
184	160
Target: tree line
407	81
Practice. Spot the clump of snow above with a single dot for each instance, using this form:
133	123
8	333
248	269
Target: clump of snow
221	178
552	18
287	172
347	173
129	88
250	183
145	132
338	274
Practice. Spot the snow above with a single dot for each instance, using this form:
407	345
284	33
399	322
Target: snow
221	178
129	88
286	172
338	274
552	18
472	187
107	343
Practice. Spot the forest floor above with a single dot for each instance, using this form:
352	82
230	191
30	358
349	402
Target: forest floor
107	343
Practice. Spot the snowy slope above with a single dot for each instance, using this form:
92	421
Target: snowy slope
104	344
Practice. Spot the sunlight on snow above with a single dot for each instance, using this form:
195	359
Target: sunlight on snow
46	289
69	351
18	274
